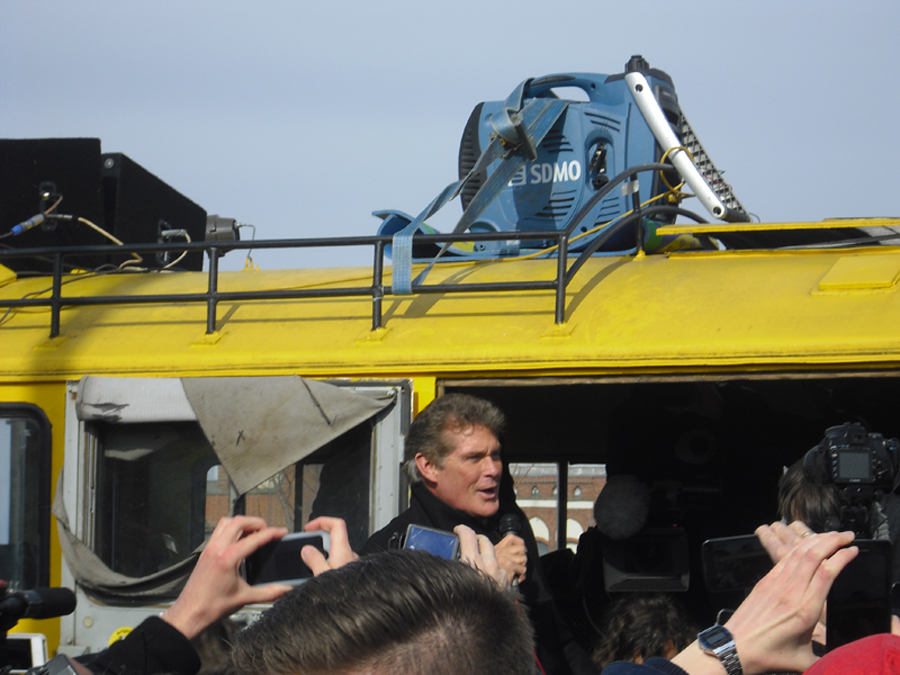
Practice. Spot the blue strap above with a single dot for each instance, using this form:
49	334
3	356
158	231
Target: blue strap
518	133
401	260
540	115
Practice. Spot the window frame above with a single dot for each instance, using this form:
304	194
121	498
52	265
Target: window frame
388	488
45	485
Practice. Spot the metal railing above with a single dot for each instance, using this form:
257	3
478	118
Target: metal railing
213	296
377	290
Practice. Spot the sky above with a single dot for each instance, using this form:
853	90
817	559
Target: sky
302	118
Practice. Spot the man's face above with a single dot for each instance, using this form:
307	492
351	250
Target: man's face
469	481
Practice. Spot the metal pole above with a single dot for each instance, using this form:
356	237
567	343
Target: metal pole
562	258
377	284
212	291
57	292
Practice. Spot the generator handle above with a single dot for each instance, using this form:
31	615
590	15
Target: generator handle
590	84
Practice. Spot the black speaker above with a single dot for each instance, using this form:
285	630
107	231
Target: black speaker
109	190
139	207
59	166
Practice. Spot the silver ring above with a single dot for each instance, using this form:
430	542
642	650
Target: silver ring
808	533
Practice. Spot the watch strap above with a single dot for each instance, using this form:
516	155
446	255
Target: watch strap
724	649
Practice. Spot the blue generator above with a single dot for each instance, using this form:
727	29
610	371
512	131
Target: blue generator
592	141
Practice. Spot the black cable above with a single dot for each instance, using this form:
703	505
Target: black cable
613	229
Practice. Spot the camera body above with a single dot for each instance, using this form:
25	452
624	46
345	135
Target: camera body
862	466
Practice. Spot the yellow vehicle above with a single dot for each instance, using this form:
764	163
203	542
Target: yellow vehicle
141	404
708	369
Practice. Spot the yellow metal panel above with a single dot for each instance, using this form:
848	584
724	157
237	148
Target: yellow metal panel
862	272
7	276
659	313
828	224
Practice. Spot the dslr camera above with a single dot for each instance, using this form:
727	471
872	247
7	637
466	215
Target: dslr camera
862	466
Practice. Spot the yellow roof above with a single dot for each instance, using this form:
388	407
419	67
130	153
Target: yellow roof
661	313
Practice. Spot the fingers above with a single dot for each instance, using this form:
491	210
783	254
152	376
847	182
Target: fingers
827	571
269	593
512	557
805	575
468	544
314	560
779	539
895	625
478	552
340	552
238	537
243	547
774	625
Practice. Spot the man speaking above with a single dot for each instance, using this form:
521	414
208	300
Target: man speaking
452	459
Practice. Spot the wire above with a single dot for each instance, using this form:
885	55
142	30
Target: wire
55	204
593	230
177	260
44	310
248	261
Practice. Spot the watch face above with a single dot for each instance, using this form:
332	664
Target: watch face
715	637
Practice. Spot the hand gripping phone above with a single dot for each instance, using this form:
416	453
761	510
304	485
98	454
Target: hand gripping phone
438	542
279	561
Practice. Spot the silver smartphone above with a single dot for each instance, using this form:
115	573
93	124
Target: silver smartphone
279	562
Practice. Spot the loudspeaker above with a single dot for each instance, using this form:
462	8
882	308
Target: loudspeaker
110	190
139	207
61	166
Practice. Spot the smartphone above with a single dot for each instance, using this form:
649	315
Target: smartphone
859	603
734	563
279	562
438	542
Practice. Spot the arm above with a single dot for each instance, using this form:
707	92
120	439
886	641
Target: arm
773	627
215	587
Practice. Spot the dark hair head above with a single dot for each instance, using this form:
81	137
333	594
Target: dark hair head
799	498
213	646
453	413
401	612
643	625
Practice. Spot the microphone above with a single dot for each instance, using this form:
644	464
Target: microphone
510	523
622	507
38	603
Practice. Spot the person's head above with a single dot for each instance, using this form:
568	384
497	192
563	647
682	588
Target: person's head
213	646
453	447
799	498
400	612
638	626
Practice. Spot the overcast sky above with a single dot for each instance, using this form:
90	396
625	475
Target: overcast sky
302	118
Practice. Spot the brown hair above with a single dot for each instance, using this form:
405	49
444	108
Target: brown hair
454	413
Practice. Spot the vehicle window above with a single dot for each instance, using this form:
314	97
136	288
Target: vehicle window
542	498
151	494
334	481
24	497
161	491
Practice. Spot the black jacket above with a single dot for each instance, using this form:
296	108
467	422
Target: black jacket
556	650
153	647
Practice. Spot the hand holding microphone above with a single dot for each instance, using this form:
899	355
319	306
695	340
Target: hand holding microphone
510	550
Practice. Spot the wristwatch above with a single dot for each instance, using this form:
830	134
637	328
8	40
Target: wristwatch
718	641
